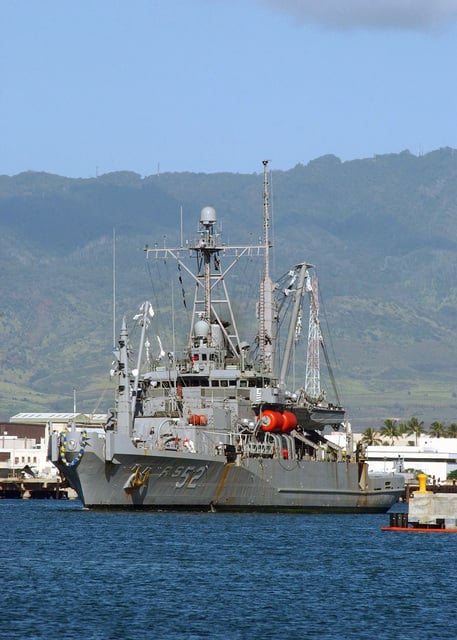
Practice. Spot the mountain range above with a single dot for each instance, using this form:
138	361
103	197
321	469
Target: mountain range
381	231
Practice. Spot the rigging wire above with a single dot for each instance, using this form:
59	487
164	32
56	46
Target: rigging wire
164	272
245	306
325	350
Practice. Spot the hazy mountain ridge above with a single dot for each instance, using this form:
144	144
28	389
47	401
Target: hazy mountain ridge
382	232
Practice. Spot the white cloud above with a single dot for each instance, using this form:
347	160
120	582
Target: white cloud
374	14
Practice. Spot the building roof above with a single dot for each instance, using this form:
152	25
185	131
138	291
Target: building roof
80	418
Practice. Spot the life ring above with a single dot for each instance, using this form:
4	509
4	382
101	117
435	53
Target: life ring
63	448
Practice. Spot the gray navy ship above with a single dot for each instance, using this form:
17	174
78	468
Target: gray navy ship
216	427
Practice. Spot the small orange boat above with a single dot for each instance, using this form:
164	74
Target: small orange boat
421	529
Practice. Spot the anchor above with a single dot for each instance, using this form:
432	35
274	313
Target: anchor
137	480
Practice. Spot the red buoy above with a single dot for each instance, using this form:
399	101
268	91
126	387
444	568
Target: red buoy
289	421
271	420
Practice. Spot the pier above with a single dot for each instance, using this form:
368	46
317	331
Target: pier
430	509
34	489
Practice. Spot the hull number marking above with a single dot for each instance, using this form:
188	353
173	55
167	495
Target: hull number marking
186	476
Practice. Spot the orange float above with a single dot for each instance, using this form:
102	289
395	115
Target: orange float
289	421
271	420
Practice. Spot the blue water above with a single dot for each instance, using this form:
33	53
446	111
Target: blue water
70	573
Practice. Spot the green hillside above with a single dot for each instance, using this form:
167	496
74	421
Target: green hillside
381	231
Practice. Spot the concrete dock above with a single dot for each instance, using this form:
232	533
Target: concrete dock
35	489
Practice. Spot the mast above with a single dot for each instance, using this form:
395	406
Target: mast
209	275
312	378
211	300
297	301
146	312
114	288
128	380
266	299
123	408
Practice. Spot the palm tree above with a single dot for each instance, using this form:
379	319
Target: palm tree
390	430
451	431
402	429
414	427
370	437
437	429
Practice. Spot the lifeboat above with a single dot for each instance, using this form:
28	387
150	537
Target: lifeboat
271	420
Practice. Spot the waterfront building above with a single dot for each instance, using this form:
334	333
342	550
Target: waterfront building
24	441
436	457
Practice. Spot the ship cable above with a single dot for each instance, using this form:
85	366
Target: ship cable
326	355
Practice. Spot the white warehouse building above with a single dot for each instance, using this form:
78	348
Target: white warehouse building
436	457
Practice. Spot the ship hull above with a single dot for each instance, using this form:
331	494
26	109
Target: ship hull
167	480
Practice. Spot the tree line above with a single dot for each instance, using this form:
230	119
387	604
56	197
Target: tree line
393	430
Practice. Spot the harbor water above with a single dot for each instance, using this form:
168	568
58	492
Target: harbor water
71	573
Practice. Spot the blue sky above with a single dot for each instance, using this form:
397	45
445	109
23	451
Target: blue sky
93	86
